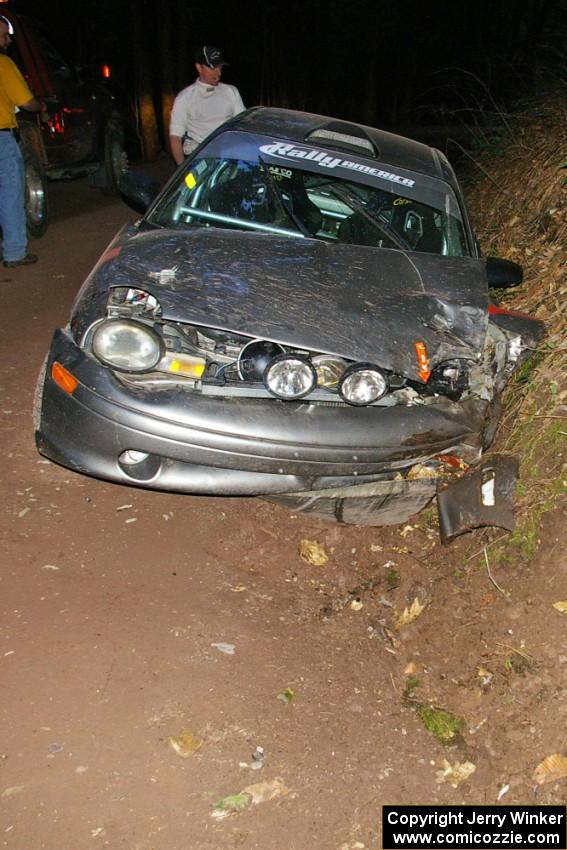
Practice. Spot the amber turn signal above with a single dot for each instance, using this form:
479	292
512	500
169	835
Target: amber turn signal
63	378
423	369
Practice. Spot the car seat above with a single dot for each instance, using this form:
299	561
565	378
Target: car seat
431	240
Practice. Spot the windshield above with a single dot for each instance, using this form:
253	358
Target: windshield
249	192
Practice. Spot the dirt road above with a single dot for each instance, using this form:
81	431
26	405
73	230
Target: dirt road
137	628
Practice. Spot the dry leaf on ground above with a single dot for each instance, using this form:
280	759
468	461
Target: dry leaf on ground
185	744
313	553
456	773
551	769
561	606
410	614
263	791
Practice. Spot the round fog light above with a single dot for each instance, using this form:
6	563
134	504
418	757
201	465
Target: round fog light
139	466
362	384
290	376
329	369
131	457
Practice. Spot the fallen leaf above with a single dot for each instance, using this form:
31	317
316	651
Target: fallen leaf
410	614
456	773
551	769
286	696
561	606
313	553
261	792
420	470
227	648
411	669
14	789
185	744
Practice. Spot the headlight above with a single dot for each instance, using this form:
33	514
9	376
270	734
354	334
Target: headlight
126	345
363	383
329	369
290	376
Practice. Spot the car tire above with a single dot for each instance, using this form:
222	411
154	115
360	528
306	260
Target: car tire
114	162
36	203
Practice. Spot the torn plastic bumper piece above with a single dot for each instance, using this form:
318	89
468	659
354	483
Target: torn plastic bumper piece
484	496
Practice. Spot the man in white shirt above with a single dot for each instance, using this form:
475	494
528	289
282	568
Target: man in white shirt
203	106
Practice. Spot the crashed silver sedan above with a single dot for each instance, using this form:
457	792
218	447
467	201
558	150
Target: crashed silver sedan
302	313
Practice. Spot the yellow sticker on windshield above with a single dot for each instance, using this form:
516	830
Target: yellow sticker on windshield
190	181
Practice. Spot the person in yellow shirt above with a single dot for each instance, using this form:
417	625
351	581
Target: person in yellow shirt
14	92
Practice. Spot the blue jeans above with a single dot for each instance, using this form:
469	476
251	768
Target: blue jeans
12	199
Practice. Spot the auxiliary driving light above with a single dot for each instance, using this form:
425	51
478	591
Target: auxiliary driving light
290	376
329	369
362	383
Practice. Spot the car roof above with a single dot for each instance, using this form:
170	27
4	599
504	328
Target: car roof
332	134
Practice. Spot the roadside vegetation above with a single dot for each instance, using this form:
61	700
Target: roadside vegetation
520	208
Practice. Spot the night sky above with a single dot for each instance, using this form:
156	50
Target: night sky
389	63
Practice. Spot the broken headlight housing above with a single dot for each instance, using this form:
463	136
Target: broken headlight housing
450	379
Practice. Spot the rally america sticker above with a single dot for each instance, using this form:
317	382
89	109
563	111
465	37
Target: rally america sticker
290	151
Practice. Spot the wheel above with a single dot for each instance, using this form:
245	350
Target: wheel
114	162
37	212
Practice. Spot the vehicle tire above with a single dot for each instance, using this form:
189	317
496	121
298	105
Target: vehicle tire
114	162
363	509
36	203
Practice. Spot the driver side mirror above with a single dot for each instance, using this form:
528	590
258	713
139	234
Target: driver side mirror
138	190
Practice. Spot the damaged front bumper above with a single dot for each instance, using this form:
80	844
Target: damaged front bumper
485	496
178	439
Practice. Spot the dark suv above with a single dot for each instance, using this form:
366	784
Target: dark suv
83	134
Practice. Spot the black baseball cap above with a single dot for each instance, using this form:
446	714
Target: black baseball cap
210	56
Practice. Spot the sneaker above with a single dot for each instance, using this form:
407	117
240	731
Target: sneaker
28	260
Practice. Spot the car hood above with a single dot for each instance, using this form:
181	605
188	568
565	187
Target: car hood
363	304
